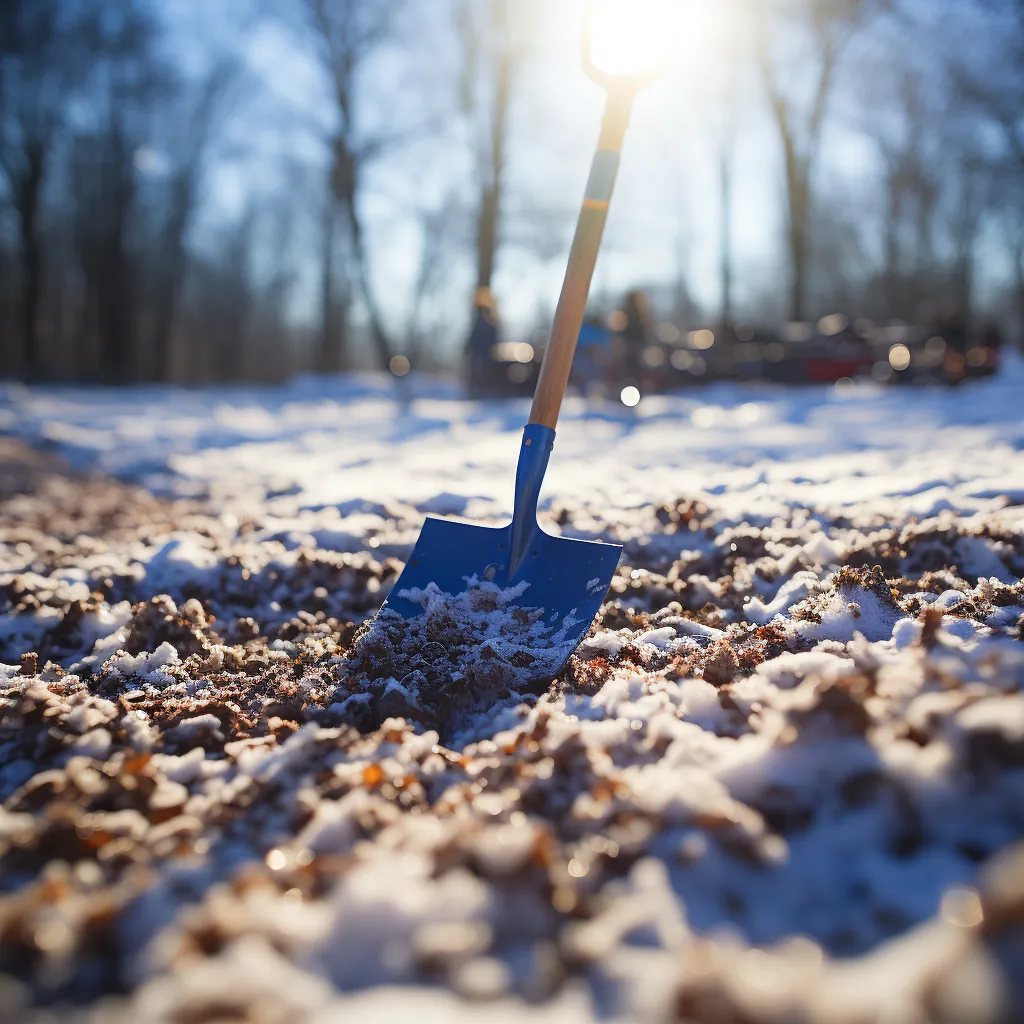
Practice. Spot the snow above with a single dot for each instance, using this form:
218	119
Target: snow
776	782
190	730
790	593
1000	715
382	907
608	644
331	442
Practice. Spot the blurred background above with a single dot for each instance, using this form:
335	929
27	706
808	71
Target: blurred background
201	191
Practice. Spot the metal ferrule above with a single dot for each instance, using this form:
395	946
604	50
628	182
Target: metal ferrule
534	453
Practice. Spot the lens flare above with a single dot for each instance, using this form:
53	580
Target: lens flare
634	36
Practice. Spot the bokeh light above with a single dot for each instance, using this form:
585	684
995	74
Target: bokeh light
899	357
653	356
833	324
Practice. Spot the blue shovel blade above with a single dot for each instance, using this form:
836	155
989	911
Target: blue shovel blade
566	580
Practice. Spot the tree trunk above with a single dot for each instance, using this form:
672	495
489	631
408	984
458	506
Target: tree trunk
163	330
891	266
797	205
329	357
487	236
115	291
32	262
798	252
169	287
378	333
800	148
489	217
725	183
183	188
965	282
31	295
115	320
1018	268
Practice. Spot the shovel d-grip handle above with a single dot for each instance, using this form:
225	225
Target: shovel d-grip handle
572	302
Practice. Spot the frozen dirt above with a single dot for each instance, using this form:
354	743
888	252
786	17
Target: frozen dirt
781	780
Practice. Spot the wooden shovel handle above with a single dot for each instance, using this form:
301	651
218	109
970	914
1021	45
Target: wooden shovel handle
572	303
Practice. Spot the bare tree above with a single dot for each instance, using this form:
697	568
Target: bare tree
1015	232
335	298
231	301
105	165
676	156
269	342
44	54
436	230
726	104
947	156
187	152
988	81
348	35
492	54
970	199
993	81
827	25
912	190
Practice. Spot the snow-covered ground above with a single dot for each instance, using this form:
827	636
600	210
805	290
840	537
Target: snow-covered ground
781	780
347	443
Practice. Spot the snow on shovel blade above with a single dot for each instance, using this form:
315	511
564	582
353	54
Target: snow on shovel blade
559	580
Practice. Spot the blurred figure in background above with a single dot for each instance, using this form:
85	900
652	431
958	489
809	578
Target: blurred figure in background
633	339
992	337
589	365
483	336
950	326
988	351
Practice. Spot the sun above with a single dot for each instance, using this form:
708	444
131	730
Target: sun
633	36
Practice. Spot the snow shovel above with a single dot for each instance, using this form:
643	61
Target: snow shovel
565	580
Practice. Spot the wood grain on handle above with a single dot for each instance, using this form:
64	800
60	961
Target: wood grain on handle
572	303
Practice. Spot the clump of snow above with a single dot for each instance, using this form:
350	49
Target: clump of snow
190	730
791	593
850	602
463	654
607	643
1002	716
381	909
151	666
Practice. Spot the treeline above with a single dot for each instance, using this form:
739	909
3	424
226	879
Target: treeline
119	264
97	279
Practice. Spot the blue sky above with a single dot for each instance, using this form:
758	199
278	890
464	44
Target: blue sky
664	219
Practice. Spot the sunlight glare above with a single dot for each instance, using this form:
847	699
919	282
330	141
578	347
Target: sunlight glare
633	36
